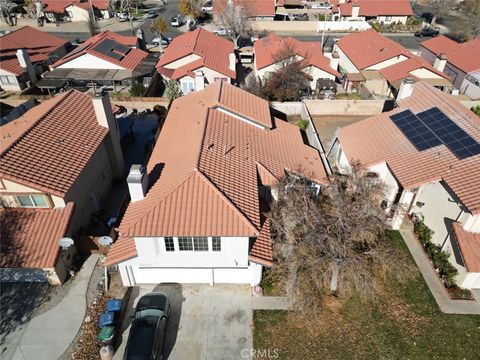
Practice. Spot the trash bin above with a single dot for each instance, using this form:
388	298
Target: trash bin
106	319
106	334
114	305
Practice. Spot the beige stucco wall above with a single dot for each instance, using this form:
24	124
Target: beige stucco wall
387	63
181	62
339	107
286	26
78	14
10	87
425	74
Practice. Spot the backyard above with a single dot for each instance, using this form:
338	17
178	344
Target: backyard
403	323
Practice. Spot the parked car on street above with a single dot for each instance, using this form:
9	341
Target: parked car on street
300	17
147	333
176	21
427	32
208	6
152	14
122	16
165	41
321	6
221	31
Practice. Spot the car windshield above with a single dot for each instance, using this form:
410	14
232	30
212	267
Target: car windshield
148	312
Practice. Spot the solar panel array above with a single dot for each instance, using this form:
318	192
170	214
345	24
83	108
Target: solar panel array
107	47
431	128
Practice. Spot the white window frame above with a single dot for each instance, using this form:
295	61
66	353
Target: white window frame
7	80
30	196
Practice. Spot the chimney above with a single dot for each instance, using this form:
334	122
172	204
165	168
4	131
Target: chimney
334	60
137	181
440	62
199	80
103	112
232	62
406	88
24	60
141	39
355	11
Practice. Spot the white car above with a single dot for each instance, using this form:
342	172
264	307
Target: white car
165	41
221	31
207	7
176	21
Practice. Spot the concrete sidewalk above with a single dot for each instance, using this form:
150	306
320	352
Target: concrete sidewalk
271	303
48	335
437	289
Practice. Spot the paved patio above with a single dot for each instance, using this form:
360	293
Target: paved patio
206	322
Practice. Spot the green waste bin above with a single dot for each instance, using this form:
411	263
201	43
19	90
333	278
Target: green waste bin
106	334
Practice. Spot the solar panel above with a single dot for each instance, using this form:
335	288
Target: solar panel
106	48
415	131
122	49
454	137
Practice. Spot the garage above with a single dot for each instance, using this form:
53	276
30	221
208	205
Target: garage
153	275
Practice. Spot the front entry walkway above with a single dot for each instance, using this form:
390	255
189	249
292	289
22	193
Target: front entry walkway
438	291
48	335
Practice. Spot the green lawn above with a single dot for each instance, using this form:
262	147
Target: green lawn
404	323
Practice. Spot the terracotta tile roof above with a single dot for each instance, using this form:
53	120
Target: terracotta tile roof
376	140
204	167
404	69
30	236
266	49
48	147
368	48
262	249
38	44
469	244
213	52
252	7
375	7
464	56
58	6
121	250
130	61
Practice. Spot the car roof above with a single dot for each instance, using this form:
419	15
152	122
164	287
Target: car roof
153	300
141	338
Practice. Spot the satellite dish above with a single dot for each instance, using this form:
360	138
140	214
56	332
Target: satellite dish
105	240
65	242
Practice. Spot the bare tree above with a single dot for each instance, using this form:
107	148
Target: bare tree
331	241
234	19
440	8
255	85
92	24
290	78
191	8
472	17
6	7
126	7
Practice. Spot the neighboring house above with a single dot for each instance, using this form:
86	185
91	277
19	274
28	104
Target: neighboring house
269	49
57	163
427	153
374	55
25	54
460	62
71	10
197	58
104	59
254	10
197	211
387	12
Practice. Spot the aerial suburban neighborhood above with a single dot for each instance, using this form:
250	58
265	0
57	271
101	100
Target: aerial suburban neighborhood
239	179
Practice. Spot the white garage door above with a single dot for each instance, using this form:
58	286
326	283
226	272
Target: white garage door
149	275
22	275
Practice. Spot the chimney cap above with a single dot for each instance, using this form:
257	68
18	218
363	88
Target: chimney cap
443	56
136	173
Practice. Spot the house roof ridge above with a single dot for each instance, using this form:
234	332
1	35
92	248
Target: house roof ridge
61	98
227	200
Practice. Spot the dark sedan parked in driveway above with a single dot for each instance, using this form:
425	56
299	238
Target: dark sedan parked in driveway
145	341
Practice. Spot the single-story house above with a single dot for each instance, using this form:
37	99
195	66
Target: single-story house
104	59
270	49
74	10
370	51
196	211
25	54
460	62
57	163
427	153
387	12
197	58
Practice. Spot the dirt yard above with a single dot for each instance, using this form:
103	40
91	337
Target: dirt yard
326	125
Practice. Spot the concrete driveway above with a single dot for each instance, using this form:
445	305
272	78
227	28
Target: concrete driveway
206	322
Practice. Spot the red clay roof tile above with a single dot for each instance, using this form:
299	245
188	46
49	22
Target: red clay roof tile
30	236
469	244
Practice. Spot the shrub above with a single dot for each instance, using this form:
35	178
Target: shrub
457	293
160	110
377	27
137	90
476	109
173	90
414	21
302	124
